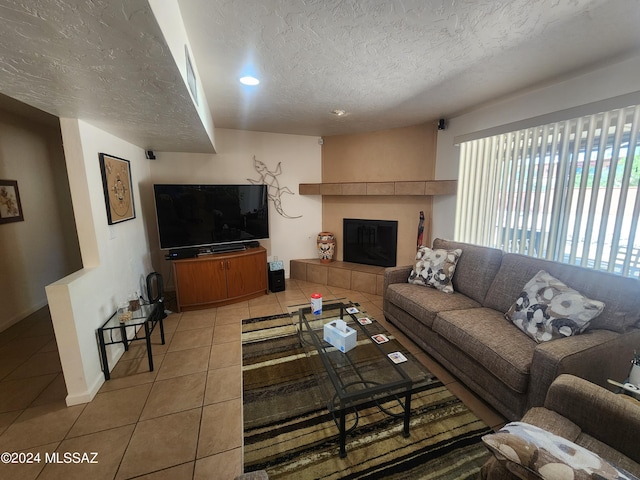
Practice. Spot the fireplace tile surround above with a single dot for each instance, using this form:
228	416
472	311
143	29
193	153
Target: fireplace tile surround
347	275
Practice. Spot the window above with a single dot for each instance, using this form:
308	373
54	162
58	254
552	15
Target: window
566	191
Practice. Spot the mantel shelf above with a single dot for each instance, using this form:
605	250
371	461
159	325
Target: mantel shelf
425	187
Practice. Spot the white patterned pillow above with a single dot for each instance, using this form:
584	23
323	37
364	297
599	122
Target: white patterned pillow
547	309
435	268
530	452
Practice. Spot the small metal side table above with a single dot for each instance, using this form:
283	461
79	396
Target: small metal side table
143	320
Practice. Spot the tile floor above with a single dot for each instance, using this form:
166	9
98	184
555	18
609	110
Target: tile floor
181	421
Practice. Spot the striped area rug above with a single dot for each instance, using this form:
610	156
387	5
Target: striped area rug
289	432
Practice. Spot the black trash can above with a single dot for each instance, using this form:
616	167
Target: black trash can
276	280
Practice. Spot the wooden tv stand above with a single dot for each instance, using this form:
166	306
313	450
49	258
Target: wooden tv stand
220	278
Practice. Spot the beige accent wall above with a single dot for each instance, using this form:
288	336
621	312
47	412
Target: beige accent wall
43	247
400	154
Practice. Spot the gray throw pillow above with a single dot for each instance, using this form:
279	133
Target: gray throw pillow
548	309
435	268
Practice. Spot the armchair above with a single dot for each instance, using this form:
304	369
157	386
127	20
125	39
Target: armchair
588	415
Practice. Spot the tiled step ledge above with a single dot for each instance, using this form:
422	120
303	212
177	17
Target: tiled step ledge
350	276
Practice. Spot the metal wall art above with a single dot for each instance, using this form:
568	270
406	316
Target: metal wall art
274	190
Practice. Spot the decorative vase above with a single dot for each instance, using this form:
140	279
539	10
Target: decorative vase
634	375
326	246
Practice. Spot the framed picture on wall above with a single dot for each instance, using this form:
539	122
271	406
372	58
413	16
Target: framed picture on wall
10	206
118	194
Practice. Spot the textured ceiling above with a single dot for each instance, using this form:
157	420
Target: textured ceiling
102	61
389	63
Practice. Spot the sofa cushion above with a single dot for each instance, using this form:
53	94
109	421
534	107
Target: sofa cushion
493	342
621	295
552	422
435	268
425	303
532	452
547	309
476	269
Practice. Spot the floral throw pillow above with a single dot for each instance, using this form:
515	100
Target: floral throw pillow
435	268
530	452
547	309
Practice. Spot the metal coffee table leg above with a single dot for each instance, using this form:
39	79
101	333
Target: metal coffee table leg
407	413
343	433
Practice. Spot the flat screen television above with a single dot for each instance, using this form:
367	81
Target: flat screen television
205	215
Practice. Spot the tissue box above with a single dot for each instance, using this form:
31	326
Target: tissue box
338	334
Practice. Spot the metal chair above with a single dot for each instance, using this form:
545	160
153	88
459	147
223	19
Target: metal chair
155	290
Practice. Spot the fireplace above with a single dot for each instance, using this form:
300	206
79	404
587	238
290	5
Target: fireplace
372	242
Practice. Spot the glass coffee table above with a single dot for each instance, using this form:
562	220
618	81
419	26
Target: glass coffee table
365	376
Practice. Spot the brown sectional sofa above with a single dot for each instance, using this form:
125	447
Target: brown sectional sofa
467	332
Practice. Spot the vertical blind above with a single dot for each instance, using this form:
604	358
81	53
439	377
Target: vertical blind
566	191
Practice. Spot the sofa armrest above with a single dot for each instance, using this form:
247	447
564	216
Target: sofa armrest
396	275
596	356
598	412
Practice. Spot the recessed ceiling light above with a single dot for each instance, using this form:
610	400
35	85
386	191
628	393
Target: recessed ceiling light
339	112
251	81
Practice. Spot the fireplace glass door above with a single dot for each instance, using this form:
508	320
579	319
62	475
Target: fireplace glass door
372	242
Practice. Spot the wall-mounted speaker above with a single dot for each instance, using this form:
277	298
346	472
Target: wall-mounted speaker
442	124
150	155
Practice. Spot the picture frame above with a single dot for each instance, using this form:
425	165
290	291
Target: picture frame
10	206
118	192
191	76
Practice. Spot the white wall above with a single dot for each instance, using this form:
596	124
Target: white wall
604	83
43	247
169	18
300	158
116	258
